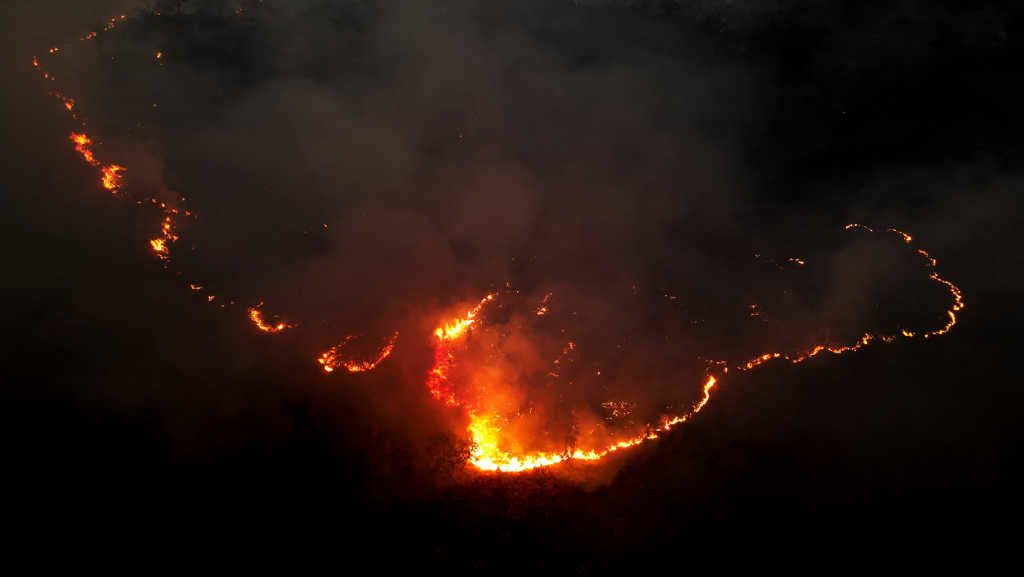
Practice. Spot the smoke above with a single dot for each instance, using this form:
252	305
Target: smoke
365	168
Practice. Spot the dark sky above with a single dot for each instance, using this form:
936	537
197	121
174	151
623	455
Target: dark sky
364	167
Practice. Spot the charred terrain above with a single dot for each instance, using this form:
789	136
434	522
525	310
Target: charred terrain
574	287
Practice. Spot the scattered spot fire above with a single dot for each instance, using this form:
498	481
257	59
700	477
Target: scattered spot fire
493	449
332	360
487	429
256	316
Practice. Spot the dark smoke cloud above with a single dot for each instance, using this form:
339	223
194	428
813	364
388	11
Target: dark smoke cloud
575	147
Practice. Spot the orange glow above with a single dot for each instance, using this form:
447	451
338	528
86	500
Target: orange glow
543	308
906	237
486	429
83	146
489	450
112	177
330	360
161	244
437	378
858	226
256	316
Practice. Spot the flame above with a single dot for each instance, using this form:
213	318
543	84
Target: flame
906	237
543	308
112	177
458	327
83	146
486	453
485	429
330	360
256	316
444	359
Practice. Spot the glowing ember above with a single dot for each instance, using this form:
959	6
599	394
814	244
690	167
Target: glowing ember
331	360
83	146
437	379
487	429
112	177
256	316
159	246
490	450
543	308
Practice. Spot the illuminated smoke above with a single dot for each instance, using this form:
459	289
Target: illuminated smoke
485	428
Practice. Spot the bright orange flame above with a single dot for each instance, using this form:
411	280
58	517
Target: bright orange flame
83	146
112	177
485	428
330	359
437	378
256	316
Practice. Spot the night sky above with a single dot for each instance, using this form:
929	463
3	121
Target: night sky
369	167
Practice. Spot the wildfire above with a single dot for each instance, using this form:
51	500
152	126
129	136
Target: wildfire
486	453
256	316
543	308
161	244
330	360
486	429
444	359
459	326
489	450
83	146
112	177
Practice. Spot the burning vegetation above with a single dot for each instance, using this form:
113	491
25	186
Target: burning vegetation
494	427
489	364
